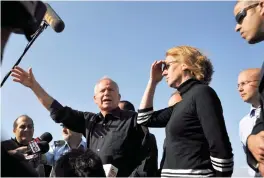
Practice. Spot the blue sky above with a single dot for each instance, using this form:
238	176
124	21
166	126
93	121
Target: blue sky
121	40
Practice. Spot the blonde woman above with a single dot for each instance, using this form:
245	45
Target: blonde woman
197	143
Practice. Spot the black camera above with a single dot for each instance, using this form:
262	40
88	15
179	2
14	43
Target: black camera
22	17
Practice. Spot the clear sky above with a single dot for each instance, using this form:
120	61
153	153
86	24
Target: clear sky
121	40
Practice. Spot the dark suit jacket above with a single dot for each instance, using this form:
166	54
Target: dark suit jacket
149	163
260	121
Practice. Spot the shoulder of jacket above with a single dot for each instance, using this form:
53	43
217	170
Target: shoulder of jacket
128	114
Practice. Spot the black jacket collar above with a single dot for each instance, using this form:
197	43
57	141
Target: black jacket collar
185	86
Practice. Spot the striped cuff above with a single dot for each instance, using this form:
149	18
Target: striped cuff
187	173
144	115
222	165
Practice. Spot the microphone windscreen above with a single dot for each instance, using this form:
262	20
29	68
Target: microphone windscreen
44	146
52	18
46	137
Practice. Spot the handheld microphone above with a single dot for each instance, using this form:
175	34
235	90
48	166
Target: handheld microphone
34	144
52	18
33	155
44	137
41	147
110	170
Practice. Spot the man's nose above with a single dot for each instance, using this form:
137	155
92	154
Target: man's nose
240	88
238	27
106	92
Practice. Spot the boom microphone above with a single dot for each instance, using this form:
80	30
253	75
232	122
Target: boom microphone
52	18
28	18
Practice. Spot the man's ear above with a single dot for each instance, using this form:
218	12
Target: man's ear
95	99
261	4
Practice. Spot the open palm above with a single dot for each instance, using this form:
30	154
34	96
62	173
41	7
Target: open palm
25	78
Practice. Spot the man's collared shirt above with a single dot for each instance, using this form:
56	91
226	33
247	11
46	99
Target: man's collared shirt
115	137
58	148
245	128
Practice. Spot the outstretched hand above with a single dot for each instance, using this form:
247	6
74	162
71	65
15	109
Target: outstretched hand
21	76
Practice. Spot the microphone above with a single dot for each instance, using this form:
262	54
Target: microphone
41	147
44	137
52	18
33	156
34	144
110	170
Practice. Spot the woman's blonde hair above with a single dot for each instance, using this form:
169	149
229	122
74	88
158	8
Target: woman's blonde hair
198	64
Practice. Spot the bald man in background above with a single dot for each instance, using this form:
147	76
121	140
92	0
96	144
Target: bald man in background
248	90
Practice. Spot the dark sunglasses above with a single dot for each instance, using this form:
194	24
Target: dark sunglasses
243	13
166	66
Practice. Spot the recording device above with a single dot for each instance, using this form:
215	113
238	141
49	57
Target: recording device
110	170
52	18
36	149
44	137
22	17
30	18
25	17
34	155
40	144
41	147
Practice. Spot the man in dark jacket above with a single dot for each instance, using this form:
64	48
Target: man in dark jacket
112	133
13	149
249	16
149	164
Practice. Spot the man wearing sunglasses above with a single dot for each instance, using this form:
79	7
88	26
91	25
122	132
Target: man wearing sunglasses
250	20
250	23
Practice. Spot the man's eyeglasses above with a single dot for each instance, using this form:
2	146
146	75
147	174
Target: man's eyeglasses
242	84
166	66
243	13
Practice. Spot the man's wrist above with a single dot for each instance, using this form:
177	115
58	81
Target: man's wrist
35	86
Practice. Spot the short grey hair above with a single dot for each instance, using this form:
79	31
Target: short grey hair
105	78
